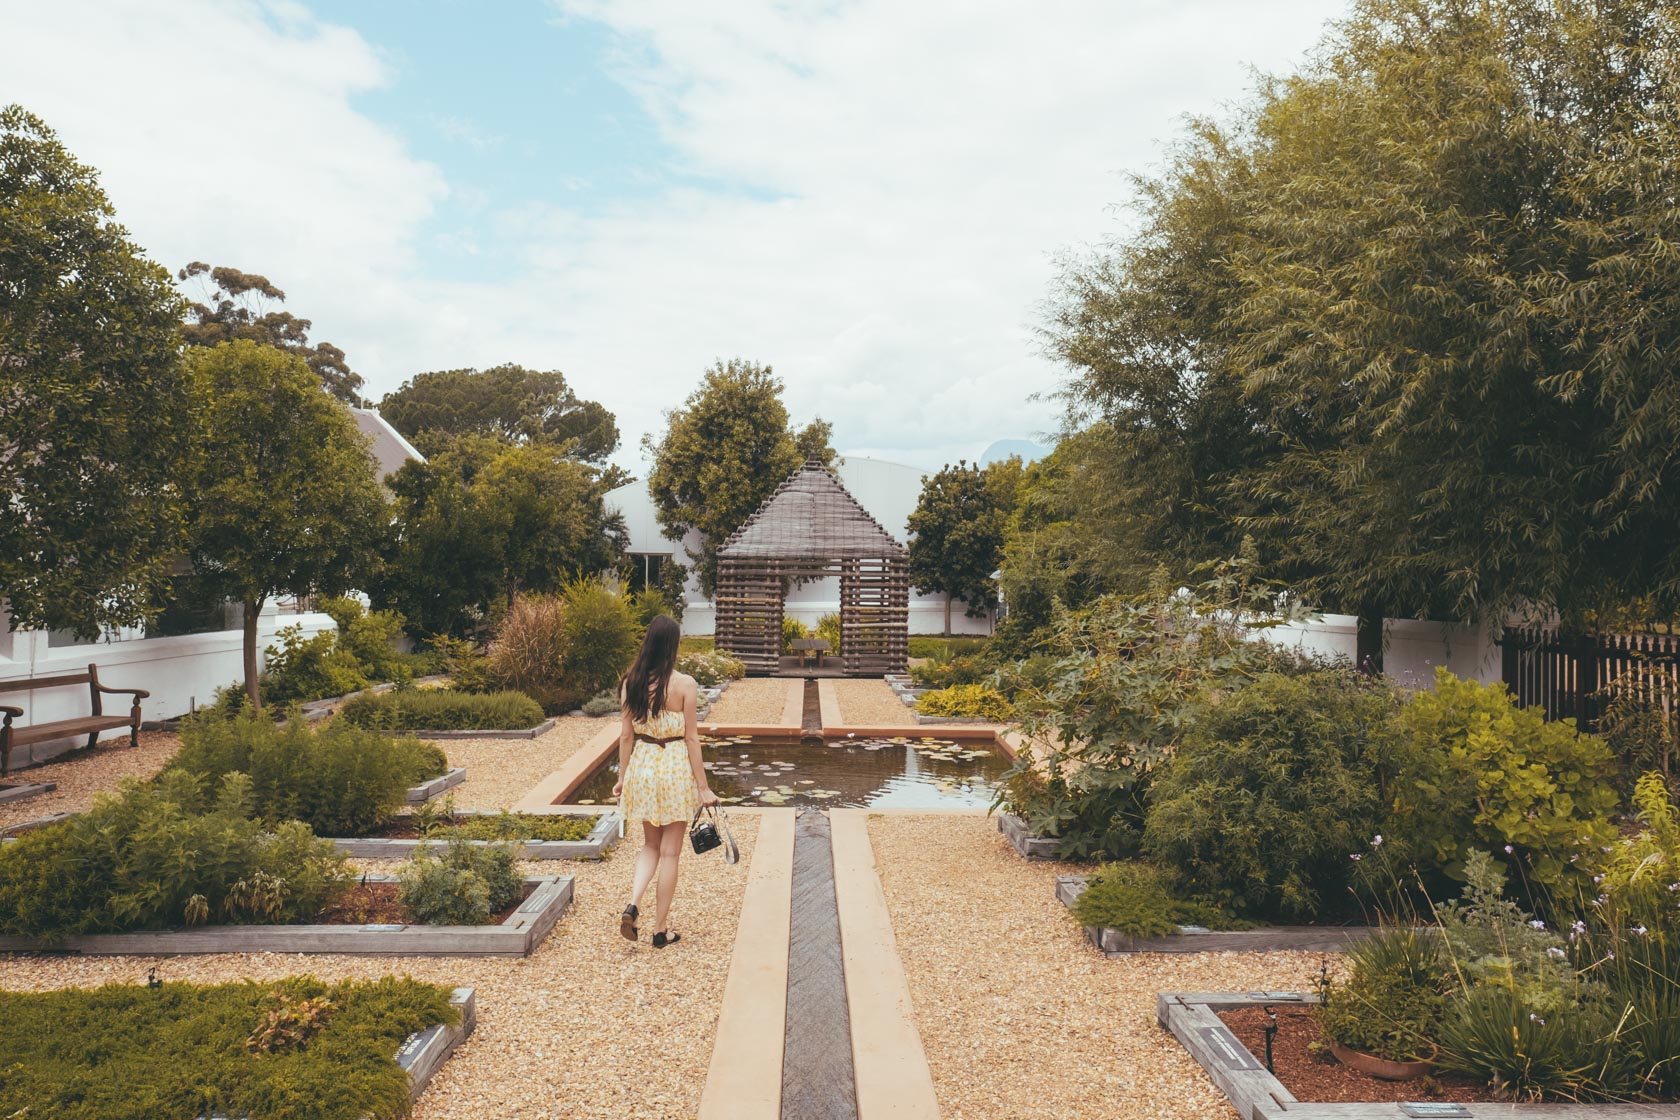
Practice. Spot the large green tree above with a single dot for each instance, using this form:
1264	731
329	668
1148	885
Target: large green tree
1428	288
287	499
97	414
245	305
507	401
724	451
486	519
956	532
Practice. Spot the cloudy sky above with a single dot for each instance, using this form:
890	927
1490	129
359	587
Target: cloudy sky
869	195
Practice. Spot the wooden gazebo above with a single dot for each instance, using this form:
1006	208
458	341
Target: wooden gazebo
809	528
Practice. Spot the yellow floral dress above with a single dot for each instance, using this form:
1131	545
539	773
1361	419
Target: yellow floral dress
659	784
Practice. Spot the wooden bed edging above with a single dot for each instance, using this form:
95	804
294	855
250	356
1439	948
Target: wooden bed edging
517	936
1257	1094
427	790
600	840
1195	939
27	789
1022	839
542	728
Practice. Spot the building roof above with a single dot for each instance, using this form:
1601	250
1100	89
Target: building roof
390	450
810	516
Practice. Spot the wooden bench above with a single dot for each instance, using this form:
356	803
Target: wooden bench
811	649
89	725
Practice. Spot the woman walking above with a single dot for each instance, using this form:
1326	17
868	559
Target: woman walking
662	781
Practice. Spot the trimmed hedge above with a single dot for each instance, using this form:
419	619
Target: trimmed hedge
442	709
966	701
296	1047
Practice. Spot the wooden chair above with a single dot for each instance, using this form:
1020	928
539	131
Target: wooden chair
89	725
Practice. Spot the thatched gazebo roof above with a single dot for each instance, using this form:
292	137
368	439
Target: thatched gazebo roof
811	516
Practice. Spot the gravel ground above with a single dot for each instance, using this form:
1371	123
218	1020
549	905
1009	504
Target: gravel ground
501	771
1019	1015
83	774
588	1025
871	703
753	700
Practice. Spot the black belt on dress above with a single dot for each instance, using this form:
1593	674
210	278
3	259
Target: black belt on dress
662	742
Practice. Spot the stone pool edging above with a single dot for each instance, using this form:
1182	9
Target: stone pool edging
431	788
26	790
1257	1094
600	840
1195	939
516	936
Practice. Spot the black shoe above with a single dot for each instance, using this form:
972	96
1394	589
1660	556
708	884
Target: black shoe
627	923
660	940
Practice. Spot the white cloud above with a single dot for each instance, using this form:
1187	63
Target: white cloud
894	181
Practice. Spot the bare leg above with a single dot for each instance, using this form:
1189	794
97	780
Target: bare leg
670	851
647	860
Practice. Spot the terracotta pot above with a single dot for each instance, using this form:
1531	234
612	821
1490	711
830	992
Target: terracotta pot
1381	1067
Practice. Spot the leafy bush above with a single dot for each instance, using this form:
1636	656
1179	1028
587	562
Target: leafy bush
828	629
966	701
1394	1000
371	638
1641	734
53	1039
1273	787
529	651
1642	869
516	826
601	638
340	780
1128	676
601	704
463	886
647	605
792	631
712	668
300	668
943	649
1137	898
946	674
442	709
468	669
161	855
1485	773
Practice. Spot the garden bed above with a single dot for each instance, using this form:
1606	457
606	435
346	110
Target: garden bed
542	728
369	1065
404	840
17	791
433	787
1022	839
1202	1022
515	936
1197	939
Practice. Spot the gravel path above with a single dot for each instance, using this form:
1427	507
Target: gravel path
83	774
501	771
755	700
1019	1015
588	1025
870	703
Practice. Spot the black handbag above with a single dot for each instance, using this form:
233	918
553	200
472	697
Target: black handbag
710	829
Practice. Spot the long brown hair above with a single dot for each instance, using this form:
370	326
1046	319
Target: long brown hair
644	683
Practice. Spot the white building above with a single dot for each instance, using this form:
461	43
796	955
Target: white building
889	491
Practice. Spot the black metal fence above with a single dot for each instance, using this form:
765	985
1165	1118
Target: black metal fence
1579	675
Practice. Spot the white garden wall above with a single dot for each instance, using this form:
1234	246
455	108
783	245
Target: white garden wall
1412	648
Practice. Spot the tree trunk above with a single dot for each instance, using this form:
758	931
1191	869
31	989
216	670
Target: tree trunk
1368	643
252	693
947	614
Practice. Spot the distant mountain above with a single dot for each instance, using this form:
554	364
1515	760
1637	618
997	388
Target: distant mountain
1004	448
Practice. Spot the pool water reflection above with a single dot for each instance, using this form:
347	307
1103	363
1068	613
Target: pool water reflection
901	772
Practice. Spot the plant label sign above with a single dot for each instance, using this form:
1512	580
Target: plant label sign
1433	1108
1222	1044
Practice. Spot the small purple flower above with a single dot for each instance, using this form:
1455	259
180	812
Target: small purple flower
1533	1018
1555	953
1640	930
1355	856
1674	886
1601	900
1509	849
1376	841
1609	956
1578	928
1537	924
1598	878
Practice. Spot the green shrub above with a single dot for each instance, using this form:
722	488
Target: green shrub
601	704
442	709
529	651
1272	789
1025	678
944	649
304	669
696	643
828	629
1394	1000
946	674
1485	773
601	638
1136	898
647	605
340	780
518	826
371	638
99	1054
966	701
710	668
463	886
468	669
161	855
793	630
